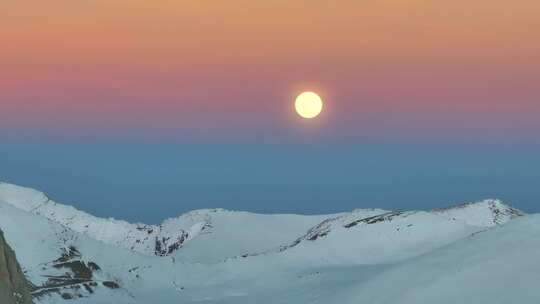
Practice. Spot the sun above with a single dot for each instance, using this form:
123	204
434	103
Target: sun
308	105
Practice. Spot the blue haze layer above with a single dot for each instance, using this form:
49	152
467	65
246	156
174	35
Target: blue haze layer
149	181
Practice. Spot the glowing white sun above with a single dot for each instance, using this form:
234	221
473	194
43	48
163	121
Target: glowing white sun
308	105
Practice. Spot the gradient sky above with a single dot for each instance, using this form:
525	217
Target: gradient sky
177	105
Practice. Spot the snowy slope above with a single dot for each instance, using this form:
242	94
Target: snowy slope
50	256
367	255
147	239
497	266
240	232
391	236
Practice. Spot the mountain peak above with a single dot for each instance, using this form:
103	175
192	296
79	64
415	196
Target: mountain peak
488	212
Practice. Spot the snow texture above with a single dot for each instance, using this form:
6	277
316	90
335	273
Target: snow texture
484	252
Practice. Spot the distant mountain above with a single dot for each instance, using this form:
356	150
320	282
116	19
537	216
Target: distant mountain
376	236
254	231
468	252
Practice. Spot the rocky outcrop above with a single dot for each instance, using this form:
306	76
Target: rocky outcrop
72	277
13	284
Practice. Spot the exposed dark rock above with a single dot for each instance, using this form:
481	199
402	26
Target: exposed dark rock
93	266
387	217
78	278
165	246
67	296
14	288
69	254
111	285
314	237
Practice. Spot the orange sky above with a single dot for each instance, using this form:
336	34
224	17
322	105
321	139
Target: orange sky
398	53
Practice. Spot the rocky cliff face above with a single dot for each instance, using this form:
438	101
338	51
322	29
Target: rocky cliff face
13	284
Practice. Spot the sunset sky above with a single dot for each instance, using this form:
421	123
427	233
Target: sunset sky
189	88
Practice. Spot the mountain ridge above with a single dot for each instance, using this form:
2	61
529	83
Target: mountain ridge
175	232
232	257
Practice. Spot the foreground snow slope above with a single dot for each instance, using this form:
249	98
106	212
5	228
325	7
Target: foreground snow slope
466	253
498	266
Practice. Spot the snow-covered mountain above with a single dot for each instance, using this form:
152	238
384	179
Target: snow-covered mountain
242	231
160	240
219	256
